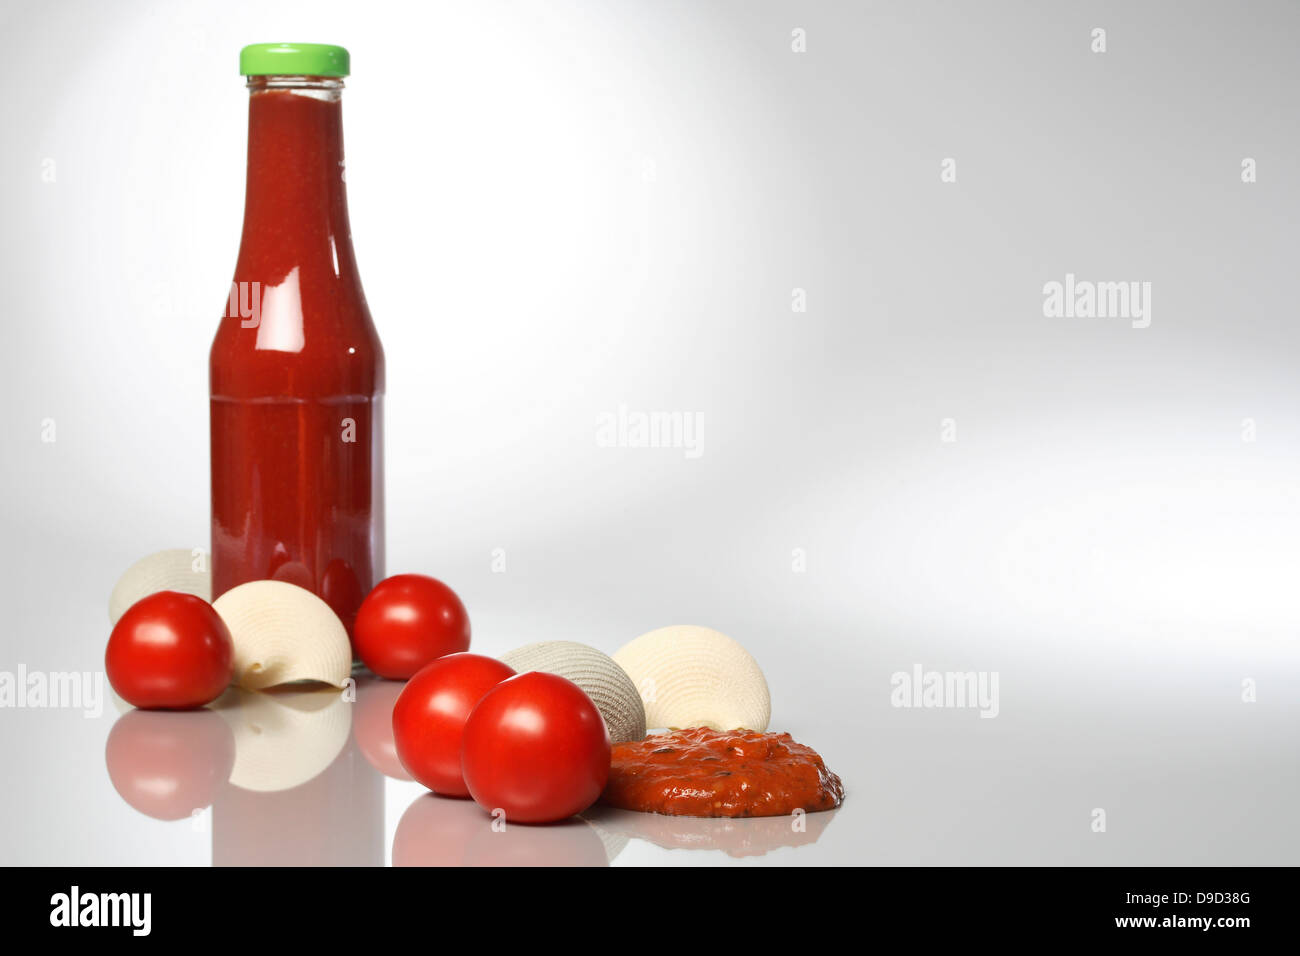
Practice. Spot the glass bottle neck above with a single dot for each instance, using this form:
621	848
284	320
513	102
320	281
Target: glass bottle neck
295	203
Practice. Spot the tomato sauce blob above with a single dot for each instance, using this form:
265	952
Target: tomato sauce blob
708	773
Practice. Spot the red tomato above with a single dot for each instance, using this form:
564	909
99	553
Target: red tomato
429	717
170	651
407	621
537	748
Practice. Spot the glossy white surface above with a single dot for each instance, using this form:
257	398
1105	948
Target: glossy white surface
309	777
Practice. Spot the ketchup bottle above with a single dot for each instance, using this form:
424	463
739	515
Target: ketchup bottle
296	369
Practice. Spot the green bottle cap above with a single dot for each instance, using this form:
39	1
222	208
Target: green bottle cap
293	59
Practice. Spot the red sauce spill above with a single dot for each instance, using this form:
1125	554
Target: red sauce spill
709	773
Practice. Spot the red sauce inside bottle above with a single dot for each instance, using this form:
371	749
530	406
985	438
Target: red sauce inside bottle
296	369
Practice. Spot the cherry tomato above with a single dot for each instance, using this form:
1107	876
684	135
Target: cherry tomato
170	651
536	747
429	717
407	621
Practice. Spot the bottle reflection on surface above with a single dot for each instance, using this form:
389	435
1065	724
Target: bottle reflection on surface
445	831
300	791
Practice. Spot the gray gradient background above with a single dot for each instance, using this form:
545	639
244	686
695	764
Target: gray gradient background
561	208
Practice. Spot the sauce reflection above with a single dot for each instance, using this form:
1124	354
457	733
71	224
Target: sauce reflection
737	837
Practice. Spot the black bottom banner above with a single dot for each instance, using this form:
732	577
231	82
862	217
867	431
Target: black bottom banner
1149	905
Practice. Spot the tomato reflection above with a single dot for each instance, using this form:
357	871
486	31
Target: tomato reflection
443	831
169	764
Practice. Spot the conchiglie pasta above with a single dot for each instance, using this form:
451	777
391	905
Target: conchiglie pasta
690	676
283	633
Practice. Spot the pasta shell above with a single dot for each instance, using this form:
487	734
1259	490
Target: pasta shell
284	633
171	570
608	686
691	676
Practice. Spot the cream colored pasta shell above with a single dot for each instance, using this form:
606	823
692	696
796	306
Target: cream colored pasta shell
608	686
171	570
691	676
284	740
284	633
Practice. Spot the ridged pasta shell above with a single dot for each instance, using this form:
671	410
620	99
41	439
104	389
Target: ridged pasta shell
608	686
284	633
171	570
284	740
691	676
